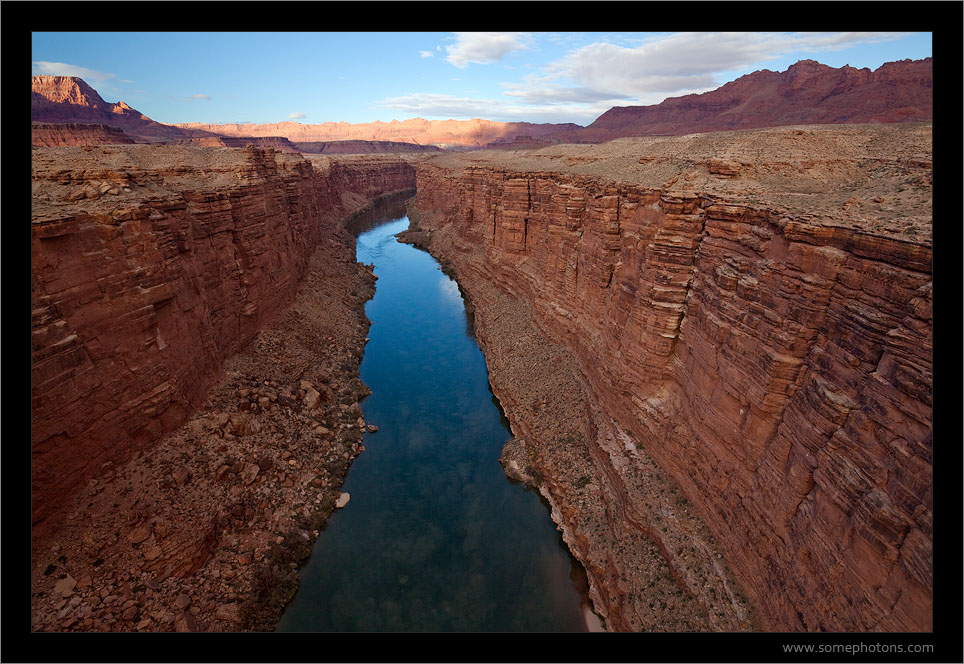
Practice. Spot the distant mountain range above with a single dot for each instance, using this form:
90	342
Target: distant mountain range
806	93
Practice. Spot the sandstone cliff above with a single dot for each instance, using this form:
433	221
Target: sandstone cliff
151	266
752	311
474	133
48	135
70	100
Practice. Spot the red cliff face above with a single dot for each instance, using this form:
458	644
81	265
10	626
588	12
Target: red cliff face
152	265
807	93
777	364
69	100
464	133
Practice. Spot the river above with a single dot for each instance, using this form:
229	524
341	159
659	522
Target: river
435	537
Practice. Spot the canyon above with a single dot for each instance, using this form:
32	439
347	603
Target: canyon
715	350
748	313
183	386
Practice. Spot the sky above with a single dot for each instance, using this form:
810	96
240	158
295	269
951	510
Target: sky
314	77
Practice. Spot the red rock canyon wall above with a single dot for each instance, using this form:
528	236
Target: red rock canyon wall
779	369
135	306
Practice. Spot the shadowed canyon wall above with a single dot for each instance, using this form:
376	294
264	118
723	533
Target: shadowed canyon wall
779	367
145	278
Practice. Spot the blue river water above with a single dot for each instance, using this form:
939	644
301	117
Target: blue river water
435	537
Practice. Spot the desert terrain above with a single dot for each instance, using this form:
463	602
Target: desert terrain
708	321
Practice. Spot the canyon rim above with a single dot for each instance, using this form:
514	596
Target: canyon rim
709	322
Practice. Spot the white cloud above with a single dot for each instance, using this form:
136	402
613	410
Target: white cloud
430	103
92	77
463	108
593	78
296	116
673	65
484	47
426	54
194	98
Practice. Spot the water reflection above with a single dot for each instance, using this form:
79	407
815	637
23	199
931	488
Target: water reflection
435	537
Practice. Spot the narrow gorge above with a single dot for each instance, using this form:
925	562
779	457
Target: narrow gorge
197	327
714	352
724	325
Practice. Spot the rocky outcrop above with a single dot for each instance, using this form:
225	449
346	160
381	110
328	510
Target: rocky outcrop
775	363
69	100
169	261
47	135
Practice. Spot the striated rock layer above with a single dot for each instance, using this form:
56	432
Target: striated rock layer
47	135
760	326
473	133
150	267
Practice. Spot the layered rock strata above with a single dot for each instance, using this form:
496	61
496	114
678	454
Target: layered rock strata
150	267
69	100
760	326
48	135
